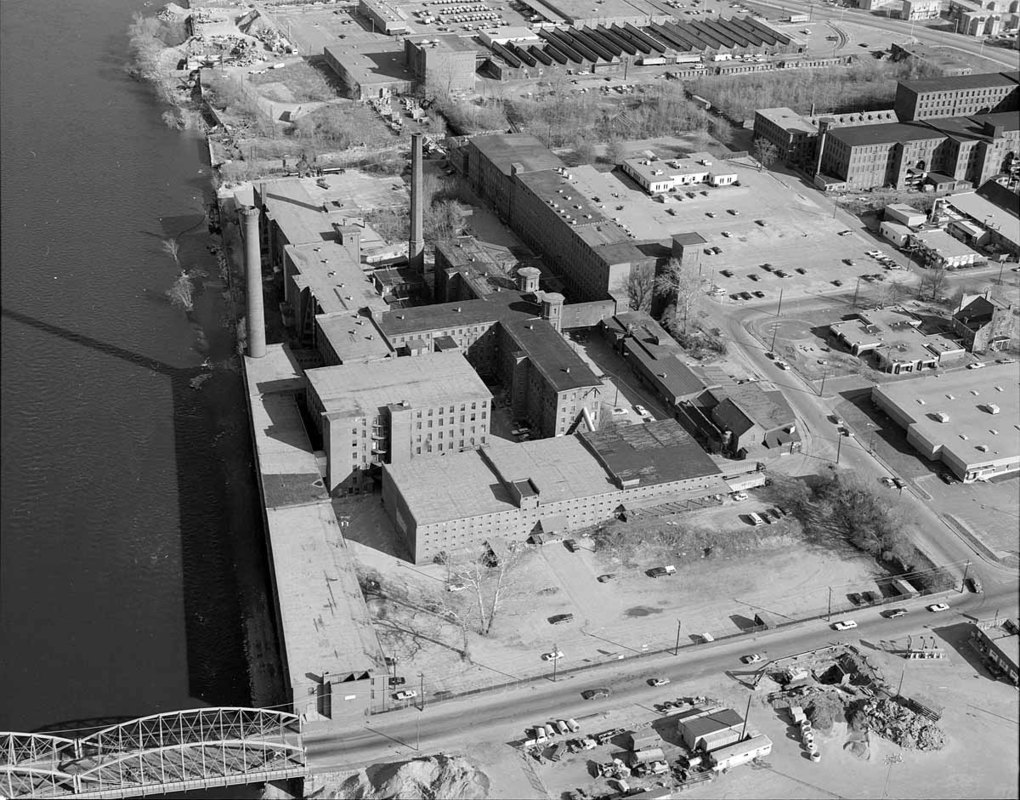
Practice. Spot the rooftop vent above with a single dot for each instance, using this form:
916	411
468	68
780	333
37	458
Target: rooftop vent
942	416
983	448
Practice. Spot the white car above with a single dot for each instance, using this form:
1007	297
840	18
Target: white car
844	625
938	607
753	658
455	587
405	694
619	411
976	365
739	496
658	681
642	411
707	637
556	655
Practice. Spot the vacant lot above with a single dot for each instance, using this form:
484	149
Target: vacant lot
747	570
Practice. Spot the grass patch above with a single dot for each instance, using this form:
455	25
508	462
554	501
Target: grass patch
304	83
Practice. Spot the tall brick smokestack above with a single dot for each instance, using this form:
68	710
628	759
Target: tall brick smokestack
253	270
416	245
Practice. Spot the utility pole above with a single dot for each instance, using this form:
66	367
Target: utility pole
857	289
556	660
828	615
963	583
747	711
775	329
779	309
421	691
676	650
839	446
821	389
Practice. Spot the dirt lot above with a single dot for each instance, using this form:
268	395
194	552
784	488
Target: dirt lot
768	568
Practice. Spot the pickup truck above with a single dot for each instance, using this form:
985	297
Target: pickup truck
660	572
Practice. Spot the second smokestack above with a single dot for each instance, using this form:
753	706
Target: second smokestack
416	245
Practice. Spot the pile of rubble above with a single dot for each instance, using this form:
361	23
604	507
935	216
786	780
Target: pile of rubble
420	779
171	11
899	725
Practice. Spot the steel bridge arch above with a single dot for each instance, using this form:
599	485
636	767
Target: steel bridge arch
173	751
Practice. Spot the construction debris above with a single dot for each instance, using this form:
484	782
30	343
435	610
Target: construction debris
899	725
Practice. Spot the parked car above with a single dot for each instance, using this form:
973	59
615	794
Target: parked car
893	613
606	578
710	214
707	637
887	481
854	598
396	680
405	694
619	411
761	222
773	513
739	496
938	607
717	250
869	597
759	294
782	364
753	658
976	365
754	519
745	295
641	411
975	585
596	694
560	619
844	625
733	211
848	261
898	483
837	283
658	681
726	273
570	544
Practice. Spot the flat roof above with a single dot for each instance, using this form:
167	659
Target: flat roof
969	390
571	204
373	62
664	169
944	244
550	354
884	133
423	381
301	219
957	82
987	214
447	41
976	127
326	626
505	149
470	484
334	278
497	306
353	337
651	453
768	408
723	719
788	119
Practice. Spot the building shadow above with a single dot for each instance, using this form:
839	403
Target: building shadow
212	452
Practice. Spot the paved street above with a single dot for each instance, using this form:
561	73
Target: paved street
500	717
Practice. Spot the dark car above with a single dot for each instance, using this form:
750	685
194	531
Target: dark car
837	283
869	597
708	251
893	613
717	250
898	483
390	661
753	277
570	544
947	478
726	273
559	619
801	270
745	295
854	598
767	267
596	694
759	294
397	681
734	297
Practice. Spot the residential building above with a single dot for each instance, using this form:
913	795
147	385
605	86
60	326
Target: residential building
550	486
966	419
959	96
394	411
984	323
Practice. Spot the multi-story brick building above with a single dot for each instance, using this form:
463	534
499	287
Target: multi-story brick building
904	154
534	193
552	486
959	96
393	411
510	337
985	323
795	136
441	63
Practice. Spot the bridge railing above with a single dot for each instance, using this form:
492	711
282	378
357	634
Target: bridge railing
160	753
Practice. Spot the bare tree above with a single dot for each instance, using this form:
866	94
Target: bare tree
932	282
487	581
180	294
894	292
765	152
680	287
640	286
173	248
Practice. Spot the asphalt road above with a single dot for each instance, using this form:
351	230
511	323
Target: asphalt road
964	44
502	717
942	544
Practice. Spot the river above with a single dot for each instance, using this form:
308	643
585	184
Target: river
132	555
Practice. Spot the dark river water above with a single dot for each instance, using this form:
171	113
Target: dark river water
132	550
